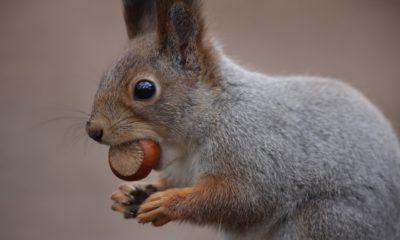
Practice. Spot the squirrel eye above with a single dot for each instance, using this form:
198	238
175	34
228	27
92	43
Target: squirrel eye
144	89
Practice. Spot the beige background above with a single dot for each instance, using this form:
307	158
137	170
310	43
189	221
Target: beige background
55	184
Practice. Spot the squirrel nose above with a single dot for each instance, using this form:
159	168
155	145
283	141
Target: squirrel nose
96	133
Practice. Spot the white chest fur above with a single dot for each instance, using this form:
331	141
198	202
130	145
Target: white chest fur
179	164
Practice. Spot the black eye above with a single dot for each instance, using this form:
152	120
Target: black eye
144	89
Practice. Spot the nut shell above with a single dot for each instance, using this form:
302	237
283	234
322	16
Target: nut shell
134	161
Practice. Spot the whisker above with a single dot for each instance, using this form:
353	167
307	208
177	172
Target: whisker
85	145
121	119
72	129
73	109
73	134
47	122
65	109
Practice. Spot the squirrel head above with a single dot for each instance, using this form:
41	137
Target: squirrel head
148	92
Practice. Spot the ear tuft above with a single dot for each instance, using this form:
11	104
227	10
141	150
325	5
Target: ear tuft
180	30
140	16
184	22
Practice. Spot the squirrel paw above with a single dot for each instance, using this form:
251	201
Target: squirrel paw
159	207
129	197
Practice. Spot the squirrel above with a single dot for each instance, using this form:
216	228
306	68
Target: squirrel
254	155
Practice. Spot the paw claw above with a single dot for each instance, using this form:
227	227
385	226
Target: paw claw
127	202
128	194
131	212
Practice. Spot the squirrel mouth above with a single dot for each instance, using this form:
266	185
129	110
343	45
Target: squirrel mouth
133	161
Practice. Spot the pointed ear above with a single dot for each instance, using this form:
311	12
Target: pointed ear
180	31
140	16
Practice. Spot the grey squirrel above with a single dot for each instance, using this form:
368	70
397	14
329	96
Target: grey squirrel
258	156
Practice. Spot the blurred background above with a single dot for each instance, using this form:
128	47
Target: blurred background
56	184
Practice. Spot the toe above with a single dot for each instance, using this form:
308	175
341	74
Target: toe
119	196
149	206
126	188
150	216
155	197
161	221
117	207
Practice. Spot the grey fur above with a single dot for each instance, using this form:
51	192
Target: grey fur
313	154
312	157
318	157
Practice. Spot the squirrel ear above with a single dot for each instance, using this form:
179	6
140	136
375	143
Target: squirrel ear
140	16
180	31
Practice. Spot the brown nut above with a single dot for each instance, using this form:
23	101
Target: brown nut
134	161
